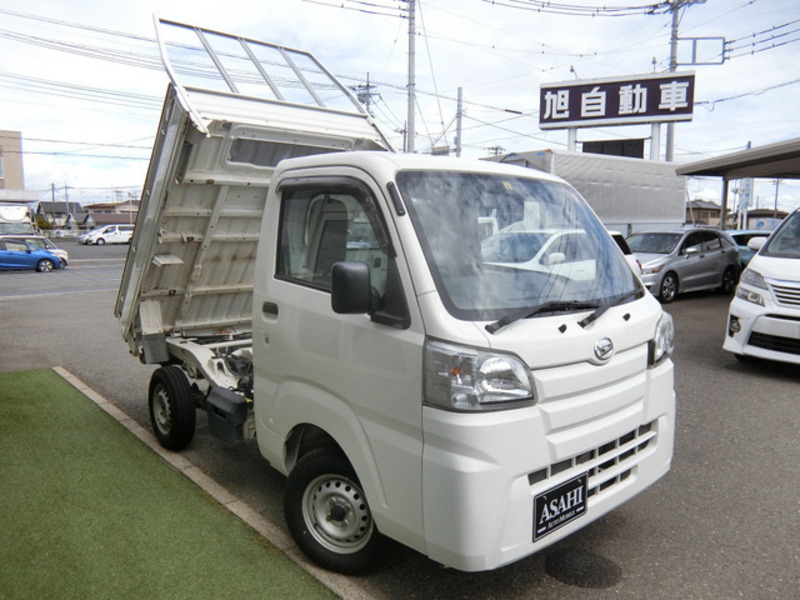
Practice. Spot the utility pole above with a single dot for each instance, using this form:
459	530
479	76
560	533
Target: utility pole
364	93
777	187
459	111
495	150
412	34
675	7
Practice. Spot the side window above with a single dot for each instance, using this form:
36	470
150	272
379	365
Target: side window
14	246
711	240
320	227
693	243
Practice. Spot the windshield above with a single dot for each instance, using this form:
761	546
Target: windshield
548	248
654	243
785	242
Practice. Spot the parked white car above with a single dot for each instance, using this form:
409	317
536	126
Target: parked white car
764	315
108	234
566	253
636	266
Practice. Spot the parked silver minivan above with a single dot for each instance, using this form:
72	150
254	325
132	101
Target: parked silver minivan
686	260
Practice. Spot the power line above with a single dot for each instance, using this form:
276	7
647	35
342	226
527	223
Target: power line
81	92
763	32
370	8
713	103
581	10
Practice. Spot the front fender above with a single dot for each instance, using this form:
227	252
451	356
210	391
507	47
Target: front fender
297	404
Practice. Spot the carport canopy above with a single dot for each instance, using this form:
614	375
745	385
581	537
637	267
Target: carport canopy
775	161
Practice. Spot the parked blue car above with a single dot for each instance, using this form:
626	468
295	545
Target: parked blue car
17	255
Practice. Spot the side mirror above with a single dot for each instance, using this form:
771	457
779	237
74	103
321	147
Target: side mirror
351	293
757	243
555	258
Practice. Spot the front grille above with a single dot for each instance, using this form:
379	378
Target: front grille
607	465
775	343
786	293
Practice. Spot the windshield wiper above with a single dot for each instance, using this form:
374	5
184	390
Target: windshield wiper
610	304
552	306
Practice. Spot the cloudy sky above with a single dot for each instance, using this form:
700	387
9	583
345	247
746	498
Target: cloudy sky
84	84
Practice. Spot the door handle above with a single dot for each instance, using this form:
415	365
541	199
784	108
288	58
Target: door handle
269	308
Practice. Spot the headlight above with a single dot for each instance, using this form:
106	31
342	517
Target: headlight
753	278
749	296
467	379
663	343
652	270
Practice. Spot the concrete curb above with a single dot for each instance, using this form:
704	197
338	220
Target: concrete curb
345	587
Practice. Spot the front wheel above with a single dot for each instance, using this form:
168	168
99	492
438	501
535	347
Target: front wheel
100	242
668	289
172	410
45	265
328	514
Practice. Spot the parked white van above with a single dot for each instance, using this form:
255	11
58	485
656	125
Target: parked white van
764	315
307	287
108	234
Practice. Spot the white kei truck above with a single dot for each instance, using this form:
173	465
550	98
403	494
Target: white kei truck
474	398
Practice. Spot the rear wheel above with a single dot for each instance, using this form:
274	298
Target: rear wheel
45	265
328	514
172	410
668	289
728	280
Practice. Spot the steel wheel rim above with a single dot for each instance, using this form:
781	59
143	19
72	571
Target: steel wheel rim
162	413
336	514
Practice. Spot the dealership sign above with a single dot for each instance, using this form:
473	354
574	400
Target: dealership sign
645	99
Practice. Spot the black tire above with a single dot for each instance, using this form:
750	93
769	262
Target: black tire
668	288
45	265
172	409
328	514
728	280
100	242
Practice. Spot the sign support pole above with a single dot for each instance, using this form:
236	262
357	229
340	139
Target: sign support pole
655	141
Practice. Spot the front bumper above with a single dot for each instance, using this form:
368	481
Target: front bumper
771	332
481	473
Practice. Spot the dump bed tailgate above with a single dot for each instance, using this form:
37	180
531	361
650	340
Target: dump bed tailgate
190	265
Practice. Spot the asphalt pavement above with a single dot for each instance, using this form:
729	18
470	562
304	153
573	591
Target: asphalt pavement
724	523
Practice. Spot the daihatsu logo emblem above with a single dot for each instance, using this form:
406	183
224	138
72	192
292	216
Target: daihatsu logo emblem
604	349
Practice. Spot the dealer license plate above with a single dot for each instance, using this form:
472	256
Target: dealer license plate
558	506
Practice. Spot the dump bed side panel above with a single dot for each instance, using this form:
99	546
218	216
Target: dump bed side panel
190	266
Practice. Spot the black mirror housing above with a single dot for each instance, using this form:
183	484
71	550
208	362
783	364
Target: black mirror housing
350	288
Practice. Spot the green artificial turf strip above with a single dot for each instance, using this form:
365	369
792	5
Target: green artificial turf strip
88	511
